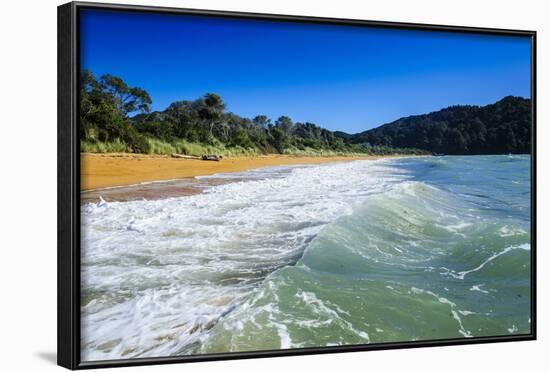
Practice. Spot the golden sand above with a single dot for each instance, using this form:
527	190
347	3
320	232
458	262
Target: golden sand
107	170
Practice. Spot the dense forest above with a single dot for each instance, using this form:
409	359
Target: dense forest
500	128
115	117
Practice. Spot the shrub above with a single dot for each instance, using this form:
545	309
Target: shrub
103	147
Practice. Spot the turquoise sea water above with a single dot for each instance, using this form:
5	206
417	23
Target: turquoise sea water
444	256
353	253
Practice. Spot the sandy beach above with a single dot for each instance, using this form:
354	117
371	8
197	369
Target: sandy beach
109	170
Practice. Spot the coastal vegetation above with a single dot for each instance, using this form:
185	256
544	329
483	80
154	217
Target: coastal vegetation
115	117
500	128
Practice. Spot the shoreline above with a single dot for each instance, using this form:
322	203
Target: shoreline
104	171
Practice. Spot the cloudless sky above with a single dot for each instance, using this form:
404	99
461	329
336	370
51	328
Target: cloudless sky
339	77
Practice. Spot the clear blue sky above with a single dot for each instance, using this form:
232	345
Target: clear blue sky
339	77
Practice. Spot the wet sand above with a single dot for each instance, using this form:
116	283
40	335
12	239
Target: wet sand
100	171
151	191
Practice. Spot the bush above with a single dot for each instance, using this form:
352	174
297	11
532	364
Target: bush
140	144
160	147
103	147
136	142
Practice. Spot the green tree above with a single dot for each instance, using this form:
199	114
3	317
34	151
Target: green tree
279	139
104	106
284	123
212	111
127	99
184	116
262	121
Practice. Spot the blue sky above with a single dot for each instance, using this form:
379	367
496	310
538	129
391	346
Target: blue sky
339	77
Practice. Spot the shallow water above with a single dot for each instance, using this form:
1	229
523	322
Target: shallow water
348	253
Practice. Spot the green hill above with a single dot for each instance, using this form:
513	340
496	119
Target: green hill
499	128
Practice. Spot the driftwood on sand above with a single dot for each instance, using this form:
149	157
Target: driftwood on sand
180	156
204	157
212	157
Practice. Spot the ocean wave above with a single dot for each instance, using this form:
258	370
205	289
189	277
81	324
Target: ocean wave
349	253
150	265
400	267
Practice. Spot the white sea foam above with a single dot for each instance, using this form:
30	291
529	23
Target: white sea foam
477	288
158	275
464	332
462	274
456	228
506	231
282	331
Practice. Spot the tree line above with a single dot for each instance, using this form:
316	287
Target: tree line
111	111
117	117
500	128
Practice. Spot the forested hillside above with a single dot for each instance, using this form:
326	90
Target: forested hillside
500	128
115	117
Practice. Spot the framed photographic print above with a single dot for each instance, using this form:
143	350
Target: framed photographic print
236	185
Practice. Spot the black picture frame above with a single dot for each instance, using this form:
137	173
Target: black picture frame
68	215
